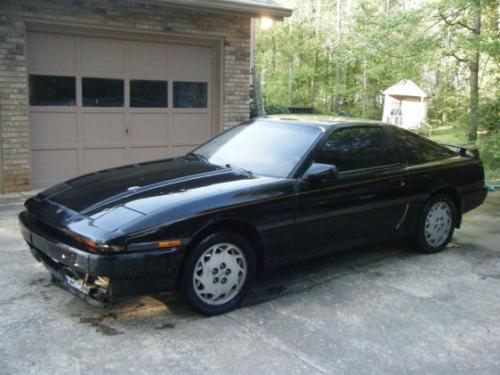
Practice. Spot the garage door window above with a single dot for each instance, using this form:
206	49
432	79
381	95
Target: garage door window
102	92
190	94
52	90
148	94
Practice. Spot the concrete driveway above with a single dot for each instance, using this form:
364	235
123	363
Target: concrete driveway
378	310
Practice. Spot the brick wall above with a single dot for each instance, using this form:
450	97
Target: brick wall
126	14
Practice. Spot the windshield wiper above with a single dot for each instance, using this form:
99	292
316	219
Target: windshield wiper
198	156
246	171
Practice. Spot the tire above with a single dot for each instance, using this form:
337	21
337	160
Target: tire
218	272
436	224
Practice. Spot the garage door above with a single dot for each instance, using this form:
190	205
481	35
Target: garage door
98	103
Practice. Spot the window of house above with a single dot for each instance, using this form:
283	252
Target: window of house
102	92
148	94
48	90
358	148
190	94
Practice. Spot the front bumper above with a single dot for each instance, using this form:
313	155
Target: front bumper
102	276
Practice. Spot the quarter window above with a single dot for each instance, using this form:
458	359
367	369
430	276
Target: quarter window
148	94
431	151
52	90
190	94
358	148
102	92
419	150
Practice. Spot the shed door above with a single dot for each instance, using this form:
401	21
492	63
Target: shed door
99	103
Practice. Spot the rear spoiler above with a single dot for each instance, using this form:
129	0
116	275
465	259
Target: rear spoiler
472	152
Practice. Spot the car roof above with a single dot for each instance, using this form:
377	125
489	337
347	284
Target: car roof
320	122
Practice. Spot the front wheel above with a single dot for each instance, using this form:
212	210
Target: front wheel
436	224
217	273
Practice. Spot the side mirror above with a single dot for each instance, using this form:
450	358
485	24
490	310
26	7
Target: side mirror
321	172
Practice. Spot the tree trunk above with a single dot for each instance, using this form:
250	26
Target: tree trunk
336	100
261	111
474	74
317	18
365	89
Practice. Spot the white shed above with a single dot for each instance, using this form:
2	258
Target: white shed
405	105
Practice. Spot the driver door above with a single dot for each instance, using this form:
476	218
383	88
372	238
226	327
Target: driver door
365	201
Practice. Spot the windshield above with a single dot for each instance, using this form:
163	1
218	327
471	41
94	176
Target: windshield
263	148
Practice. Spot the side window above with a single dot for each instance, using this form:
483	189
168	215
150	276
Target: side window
419	150
358	148
409	146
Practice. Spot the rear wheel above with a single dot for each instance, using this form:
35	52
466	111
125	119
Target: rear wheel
436	224
217	273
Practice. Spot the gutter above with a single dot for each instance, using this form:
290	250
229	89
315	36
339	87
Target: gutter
234	7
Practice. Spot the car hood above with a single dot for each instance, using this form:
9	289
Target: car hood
104	202
95	192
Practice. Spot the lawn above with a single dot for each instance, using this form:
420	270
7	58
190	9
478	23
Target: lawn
448	134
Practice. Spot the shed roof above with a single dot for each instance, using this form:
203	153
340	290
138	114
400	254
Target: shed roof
405	87
252	8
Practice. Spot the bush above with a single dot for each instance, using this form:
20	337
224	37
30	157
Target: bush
276	109
488	114
489	148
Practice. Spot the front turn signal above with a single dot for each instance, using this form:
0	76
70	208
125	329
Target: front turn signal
166	244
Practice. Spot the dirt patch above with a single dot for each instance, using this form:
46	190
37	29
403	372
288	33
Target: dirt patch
165	326
100	326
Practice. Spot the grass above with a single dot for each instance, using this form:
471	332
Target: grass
448	134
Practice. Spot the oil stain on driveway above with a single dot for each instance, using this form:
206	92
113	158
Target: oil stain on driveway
381	309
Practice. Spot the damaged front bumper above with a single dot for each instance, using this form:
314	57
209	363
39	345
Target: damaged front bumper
100	278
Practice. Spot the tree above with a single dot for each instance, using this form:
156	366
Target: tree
338	55
462	19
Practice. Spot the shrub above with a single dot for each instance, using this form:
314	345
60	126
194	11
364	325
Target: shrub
276	109
489	147
488	113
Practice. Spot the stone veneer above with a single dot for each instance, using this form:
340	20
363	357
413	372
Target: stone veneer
124	14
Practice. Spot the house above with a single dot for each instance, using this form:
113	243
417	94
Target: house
92	84
405	105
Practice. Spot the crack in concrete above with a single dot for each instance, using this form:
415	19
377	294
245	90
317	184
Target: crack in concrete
298	355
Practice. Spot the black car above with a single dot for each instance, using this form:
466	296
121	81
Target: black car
264	193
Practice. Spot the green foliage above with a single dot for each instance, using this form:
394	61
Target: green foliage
378	43
489	148
276	109
373	49
489	114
